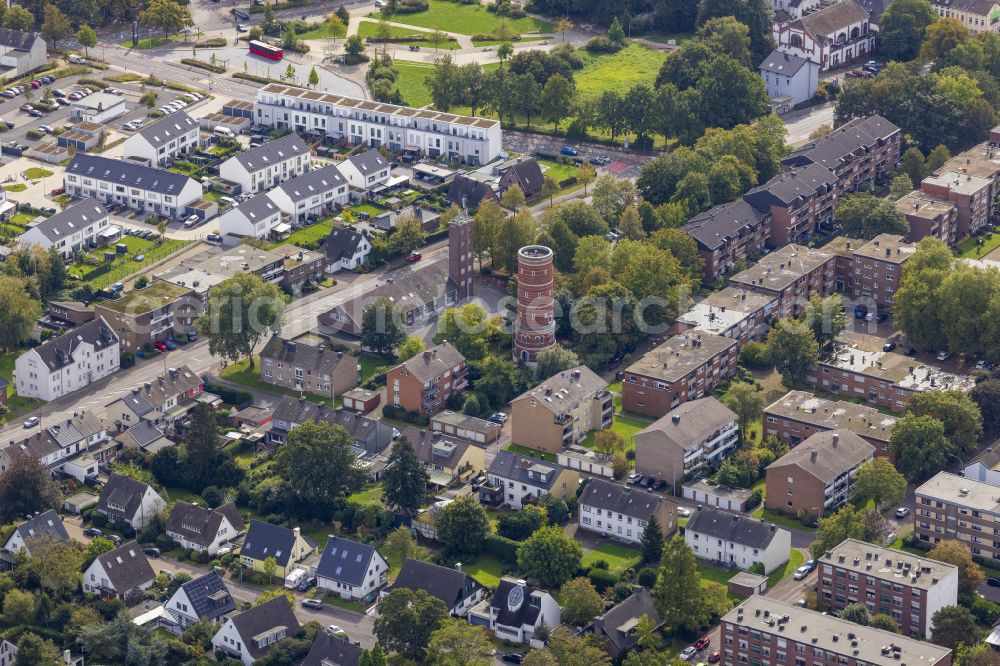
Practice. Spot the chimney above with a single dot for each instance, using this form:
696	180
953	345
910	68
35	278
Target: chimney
835	439
458	566
297	531
427	355
812	456
676	418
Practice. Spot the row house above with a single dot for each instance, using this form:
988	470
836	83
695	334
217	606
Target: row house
140	188
562	410
257	217
263	168
56	444
685	367
970	194
929	215
163	400
370	435
831	35
732	540
799	201
423	384
798	415
311	195
622	512
368	171
734	312
729	233
862	150
169	138
68	362
878	269
950	507
154	313
793	275
83	226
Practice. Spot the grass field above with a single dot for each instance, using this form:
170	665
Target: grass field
311	234
324	31
240	372
485	569
497	42
531	453
34	173
626	426
467	20
16	187
410	81
795	560
151	42
368	497
17	404
618	557
971	249
558	170
371	29
620	71
124	264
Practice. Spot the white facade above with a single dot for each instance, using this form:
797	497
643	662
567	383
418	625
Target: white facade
378	571
151	505
226	533
265	167
144	196
8	652
363	179
348	262
788	75
313	198
23	52
98	108
88	364
978	471
255	218
435	134
586	461
550	614
228	640
809	37
616	525
514	492
71	230
172	135
95	580
744	556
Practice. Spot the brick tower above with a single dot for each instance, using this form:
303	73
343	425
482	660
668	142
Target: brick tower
460	257
534	328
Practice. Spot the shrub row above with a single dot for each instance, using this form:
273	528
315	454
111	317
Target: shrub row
501	548
201	64
212	43
233	396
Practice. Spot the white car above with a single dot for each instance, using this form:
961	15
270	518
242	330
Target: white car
943	356
683	511
688	653
334	630
191	97
902	512
801	572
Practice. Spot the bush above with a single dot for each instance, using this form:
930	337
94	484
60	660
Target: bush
602	579
754	355
212	43
647	577
201	64
400	414
756	497
98	519
601	564
411	6
501	548
622	590
233	396
601	44
163	542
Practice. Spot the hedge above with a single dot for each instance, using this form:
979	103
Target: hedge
501	548
400	414
602	579
233	396
212	43
201	64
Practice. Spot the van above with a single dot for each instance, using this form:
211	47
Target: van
224	132
225	550
293	579
77	60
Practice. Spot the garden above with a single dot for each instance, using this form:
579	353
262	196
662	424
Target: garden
99	273
468	19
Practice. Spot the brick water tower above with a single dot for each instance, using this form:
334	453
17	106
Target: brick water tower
534	328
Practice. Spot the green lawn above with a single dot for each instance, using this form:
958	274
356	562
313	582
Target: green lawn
971	249
151	42
183	495
795	560
240	372
124	264
371	496
371	29
780	519
16	187
369	364
531	453
618	557
485	569
664	37
558	170
311	234
34	173
324	31
497	42
368	209
626	426
710	574
22	219
17	404
620	71
467	20
410	81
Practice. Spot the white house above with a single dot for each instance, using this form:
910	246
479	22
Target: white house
173	135
68	362
203	598
138	187
249	635
986	467
265	167
351	569
47	523
366	171
57	443
789	76
21	52
125	500
203	529
830	37
257	217
622	512
400	129
516	610
346	249
518	477
737	540
458	590
8	652
121	573
97	108
312	194
79	227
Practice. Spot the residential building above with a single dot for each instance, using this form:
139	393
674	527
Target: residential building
366	171
311	195
388	220
516	610
587	460
207	269
733	312
950	507
257	217
516	480
929	215
250	635
842	248
618	626
908	588
97	108
203	598
817	476
167	139
263	168
800	201
68	362
370	435
70	313
345	249
694	436
287	546
21	52
300	267
422	385
468	193
971	196
123	573
46	525
351	569
733	540
862	150
798	415
8	653
431	133
79	228
622	512
526	174
300	366
56	444
458	590
706	492
204	529
985	467
154	313
773	632
144	436
562	410
140	188
831	35
461	426
330	650
125	500
727	234
976	15
792	274
789	75
161	401
878	269
685	367
447	460
981	160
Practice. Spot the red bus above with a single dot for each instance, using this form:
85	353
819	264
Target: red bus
266	50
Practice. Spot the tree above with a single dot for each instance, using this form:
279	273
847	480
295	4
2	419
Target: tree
585	175
883	622
611	197
18	18
313	77
539	657
400	546
608	442
899	187
630	225
550	188
241	311
411	346
956	410
580	601
902	26
458	643
407	619
953	625
33	650
554	360
498	380
856	613
87	38
793	350
343	14
725	34
615	32
848	522
941	37
20	604
405	479
56	563
55	25
444	83
408	235
864	216
512	199
382	327
20	312
468	328
970	574
557	98
462	527
748	402
26	487
986	395
270	567
678	595
562	26
97	546
373	657
920	446
436	38
652	541
877	480
917	298
354	45
937	158
514	233
550	556
570	650
165	14
912	163
318	467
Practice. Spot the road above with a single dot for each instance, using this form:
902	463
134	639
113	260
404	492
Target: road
802	123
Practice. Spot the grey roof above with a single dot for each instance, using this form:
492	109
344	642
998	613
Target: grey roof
82	425
436	449
468	191
313	182
199	524
433	362
732	527
888	564
451	586
209	596
792	187
272	152
168	128
155	394
127	567
563	392
311	358
781	268
59	352
626	500
827	455
831	19
144	433
525	614
618	622
46	523
342	241
836	148
128	174
18	39
258	208
370	434
262	619
695	421
264	540
369	162
980	7
826	414
345	561
723	222
674	359
785	64
121	496
428	219
526	174
73	220
330	650
521	469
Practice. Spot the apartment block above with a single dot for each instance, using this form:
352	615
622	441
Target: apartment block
734	313
982	160
152	314
929	215
736	541
793	275
861	150
728	233
423	383
878	269
798	415
949	507
685	367
799	201
843	249
561	411
140	188
971	196
298	366
976	15
908	588
68	362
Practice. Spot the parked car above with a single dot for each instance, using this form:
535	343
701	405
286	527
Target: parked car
139	257
569	150
32	421
213	238
512	658
688	653
93	532
35	85
152	552
414	257
191	222
683	512
910	351
889	346
801	572
62	101
45	128
308	582
902	512
634	478
241	28
58	92
35	113
714	657
702	643
314	604
115	539
498	417
9	94
981	364
171	345
160	346
336	631
943	355
26	107
993	582
414	47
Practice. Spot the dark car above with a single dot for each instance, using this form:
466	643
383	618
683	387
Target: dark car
307	583
860	312
497	417
512	658
152	552
880	318
910	351
993	582
115	539
93	532
569	150
889	346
